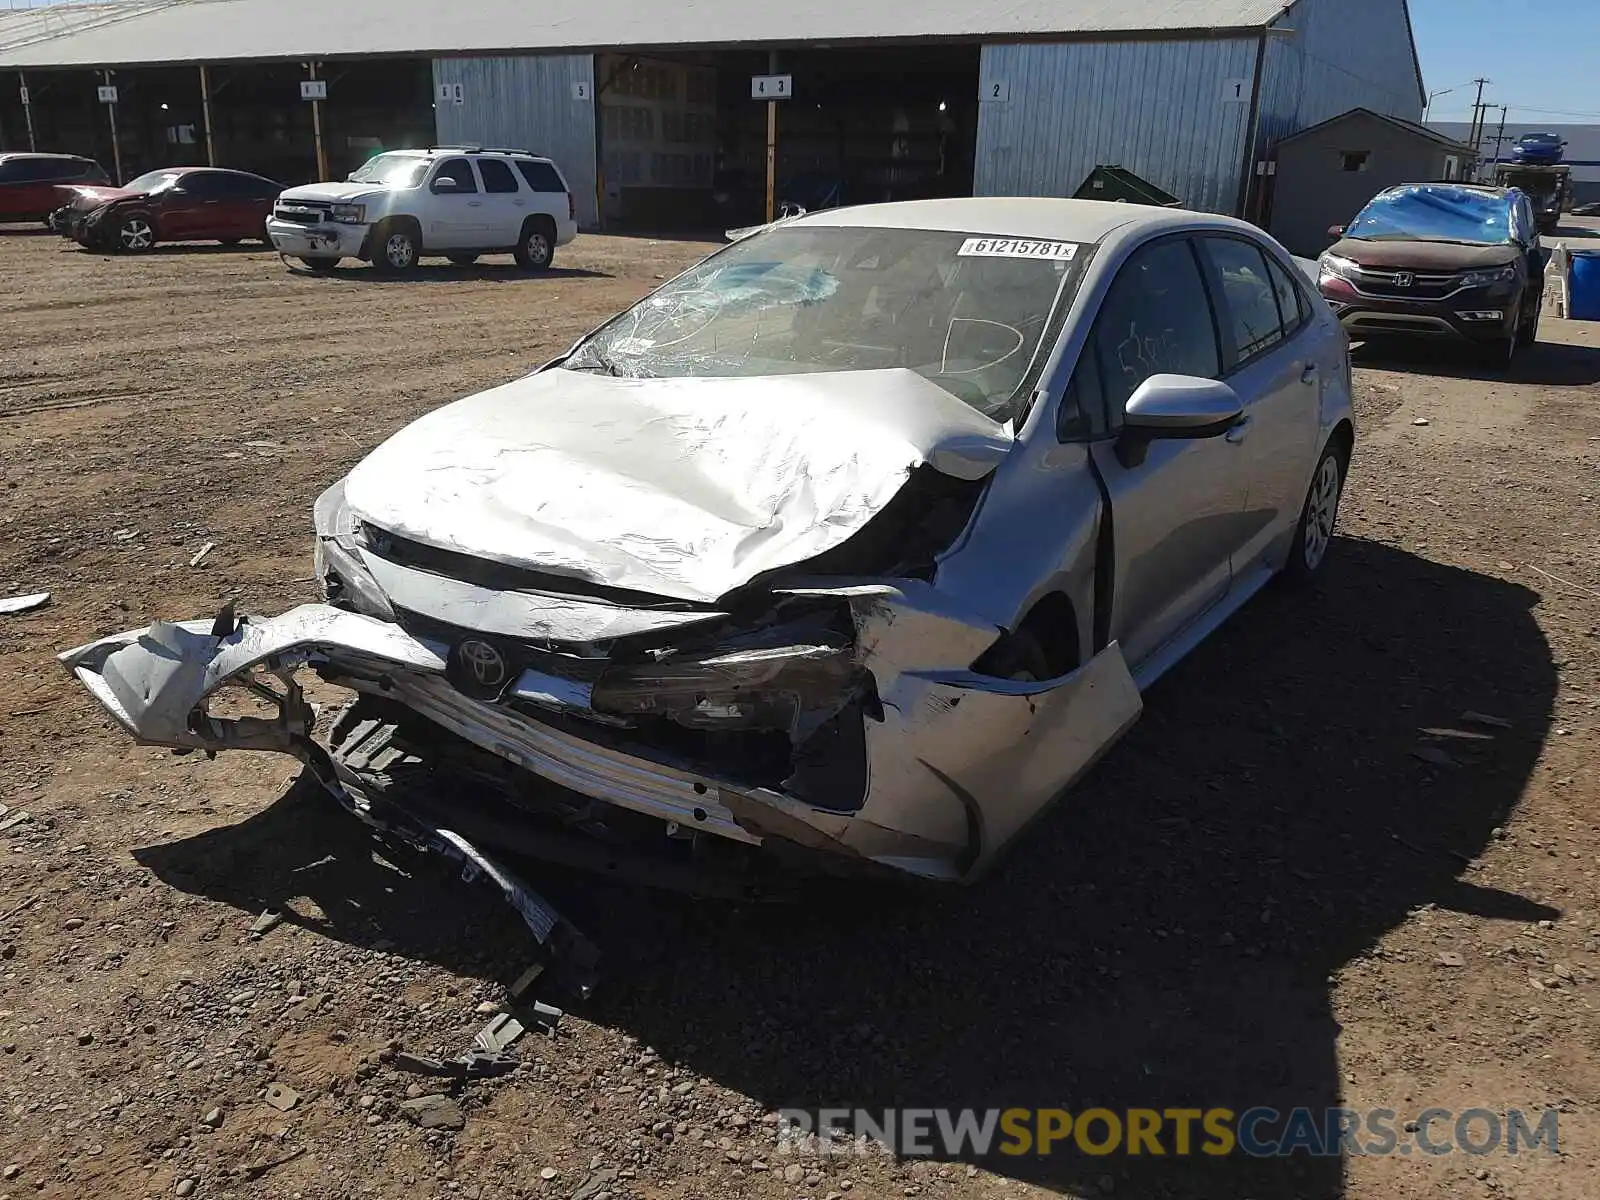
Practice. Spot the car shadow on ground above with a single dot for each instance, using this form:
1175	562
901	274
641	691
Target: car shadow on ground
429	272
1165	939
1544	364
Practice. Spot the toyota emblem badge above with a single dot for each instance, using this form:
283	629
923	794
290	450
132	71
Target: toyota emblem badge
483	669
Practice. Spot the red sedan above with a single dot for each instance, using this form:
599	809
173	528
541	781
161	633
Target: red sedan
175	204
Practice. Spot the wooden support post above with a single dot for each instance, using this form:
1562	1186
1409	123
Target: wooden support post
205	110
772	144
316	129
116	143
27	108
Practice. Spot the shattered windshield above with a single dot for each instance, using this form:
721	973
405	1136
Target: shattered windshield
976	315
1435	214
153	181
392	170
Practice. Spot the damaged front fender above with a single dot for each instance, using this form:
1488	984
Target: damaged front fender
960	763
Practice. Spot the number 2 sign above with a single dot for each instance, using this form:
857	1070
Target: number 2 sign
995	91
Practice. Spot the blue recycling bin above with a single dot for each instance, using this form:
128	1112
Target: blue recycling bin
1583	286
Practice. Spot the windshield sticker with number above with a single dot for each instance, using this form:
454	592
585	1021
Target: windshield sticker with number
1018	248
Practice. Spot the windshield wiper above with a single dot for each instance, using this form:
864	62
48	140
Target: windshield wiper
595	361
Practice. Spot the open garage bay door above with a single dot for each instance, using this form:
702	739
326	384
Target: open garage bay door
683	139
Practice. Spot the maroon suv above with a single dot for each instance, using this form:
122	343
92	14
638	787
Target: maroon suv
32	186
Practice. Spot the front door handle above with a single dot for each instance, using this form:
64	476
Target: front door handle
1309	375
1240	431
474	203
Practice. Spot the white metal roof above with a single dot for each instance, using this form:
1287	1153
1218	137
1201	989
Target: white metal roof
195	31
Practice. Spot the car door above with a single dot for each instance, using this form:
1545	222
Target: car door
26	190
1274	362
455	217
505	203
184	208
1176	511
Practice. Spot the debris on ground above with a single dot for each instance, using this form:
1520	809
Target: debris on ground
258	1169
22	604
1451	959
434	1112
200	555
266	923
499	1034
281	1097
1434	756
598	1182
1477	718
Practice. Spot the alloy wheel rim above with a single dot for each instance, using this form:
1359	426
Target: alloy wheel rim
538	248
137	235
1322	511
400	252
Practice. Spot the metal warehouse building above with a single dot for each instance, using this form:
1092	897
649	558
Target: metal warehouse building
653	111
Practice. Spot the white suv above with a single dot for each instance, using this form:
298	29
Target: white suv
458	202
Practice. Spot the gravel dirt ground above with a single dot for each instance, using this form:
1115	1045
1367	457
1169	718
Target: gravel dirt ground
1305	878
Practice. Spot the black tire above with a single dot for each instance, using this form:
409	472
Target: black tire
396	249
537	248
135	234
1528	335
321	265
463	260
1313	537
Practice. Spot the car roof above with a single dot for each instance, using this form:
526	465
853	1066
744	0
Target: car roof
44	154
1483	189
441	151
1086	221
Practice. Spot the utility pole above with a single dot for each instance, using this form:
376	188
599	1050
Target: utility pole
1475	138
1500	137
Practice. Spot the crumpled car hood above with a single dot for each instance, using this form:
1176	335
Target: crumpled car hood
681	488
338	193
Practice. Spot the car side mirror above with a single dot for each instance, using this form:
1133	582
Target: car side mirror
1175	408
444	184
1336	232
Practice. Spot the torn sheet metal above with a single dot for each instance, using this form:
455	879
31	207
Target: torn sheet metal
153	680
22	604
683	488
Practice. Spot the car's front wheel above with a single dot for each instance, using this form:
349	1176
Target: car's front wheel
1314	537
396	249
135	235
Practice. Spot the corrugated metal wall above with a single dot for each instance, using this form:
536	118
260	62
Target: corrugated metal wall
1167	111
1342	54
525	101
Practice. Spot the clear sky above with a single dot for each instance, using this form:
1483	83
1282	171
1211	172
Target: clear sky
1541	56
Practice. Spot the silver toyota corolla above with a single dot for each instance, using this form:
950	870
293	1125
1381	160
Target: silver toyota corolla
857	542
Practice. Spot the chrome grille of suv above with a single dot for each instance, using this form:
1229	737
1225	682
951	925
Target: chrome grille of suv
301	212
1422	286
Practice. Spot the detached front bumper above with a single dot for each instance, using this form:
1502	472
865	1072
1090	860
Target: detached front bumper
958	763
330	240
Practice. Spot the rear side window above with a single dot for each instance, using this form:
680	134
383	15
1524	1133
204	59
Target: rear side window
1251	322
1156	320
26	170
1292	304
460	170
497	177
541	176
